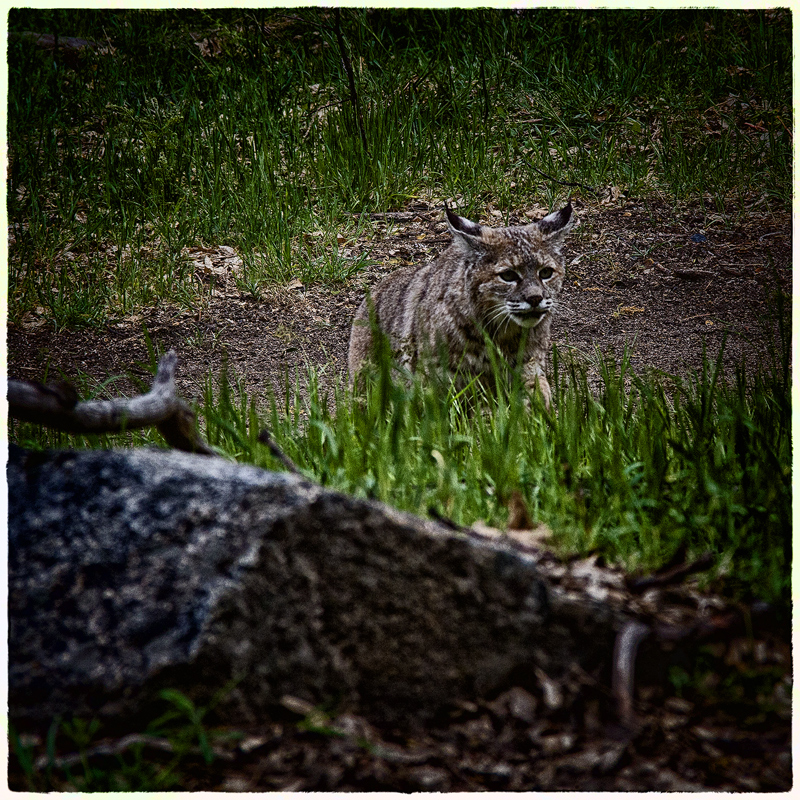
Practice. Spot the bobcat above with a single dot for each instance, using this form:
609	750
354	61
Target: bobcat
501	282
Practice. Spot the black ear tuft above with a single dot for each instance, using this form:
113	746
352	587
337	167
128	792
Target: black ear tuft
461	224
557	223
451	217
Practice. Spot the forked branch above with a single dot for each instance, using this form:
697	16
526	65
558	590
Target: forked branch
56	406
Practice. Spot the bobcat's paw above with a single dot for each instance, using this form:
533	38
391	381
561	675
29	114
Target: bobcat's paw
539	383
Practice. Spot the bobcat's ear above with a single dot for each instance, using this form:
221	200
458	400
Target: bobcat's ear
556	225
465	233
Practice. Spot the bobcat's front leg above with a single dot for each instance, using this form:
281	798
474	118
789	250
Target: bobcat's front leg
533	375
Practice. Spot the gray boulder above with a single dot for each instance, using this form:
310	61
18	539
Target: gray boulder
135	570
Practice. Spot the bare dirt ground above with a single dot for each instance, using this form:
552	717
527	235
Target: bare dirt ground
664	283
667	284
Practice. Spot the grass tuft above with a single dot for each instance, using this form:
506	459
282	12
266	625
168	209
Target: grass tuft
636	471
239	128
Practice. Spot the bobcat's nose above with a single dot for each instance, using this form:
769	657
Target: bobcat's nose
534	300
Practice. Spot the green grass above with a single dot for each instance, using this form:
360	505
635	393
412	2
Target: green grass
184	737
636	470
119	160
648	466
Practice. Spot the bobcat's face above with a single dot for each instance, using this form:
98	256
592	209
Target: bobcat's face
519	287
516	273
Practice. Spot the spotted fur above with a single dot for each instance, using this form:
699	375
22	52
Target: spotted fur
502	282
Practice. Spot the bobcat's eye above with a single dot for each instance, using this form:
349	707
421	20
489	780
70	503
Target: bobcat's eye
509	276
546	273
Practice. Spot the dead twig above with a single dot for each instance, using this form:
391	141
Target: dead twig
677	573
687	274
49	41
692	274
265	438
56	406
398	215
592	189
626	646
434	514
696	316
603	291
120	746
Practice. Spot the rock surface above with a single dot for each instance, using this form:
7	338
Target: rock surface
135	570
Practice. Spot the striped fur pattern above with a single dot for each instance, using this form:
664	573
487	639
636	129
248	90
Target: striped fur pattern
503	282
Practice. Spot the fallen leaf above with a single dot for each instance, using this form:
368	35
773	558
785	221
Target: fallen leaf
250	743
551	691
297	705
29	322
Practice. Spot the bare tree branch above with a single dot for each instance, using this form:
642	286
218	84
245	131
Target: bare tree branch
56	406
564	183
180	432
